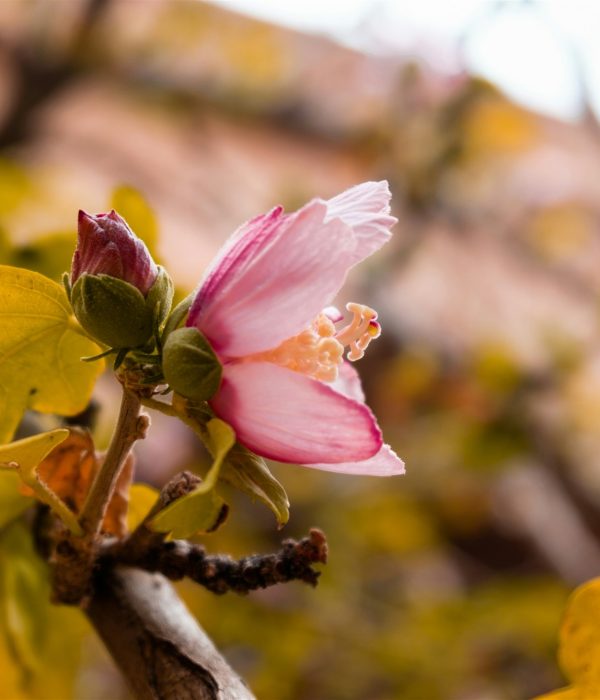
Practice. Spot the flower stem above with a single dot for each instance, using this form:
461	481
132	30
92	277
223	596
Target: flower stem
131	426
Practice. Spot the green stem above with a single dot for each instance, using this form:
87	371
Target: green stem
162	407
129	428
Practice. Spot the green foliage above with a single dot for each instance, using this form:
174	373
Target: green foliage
249	473
40	350
203	510
243	469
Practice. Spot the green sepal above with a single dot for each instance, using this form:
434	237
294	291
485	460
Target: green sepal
160	297
177	316
112	311
190	365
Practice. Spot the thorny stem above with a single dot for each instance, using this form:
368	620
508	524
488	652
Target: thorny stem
131	426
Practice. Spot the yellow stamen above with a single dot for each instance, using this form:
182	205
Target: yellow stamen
318	350
360	331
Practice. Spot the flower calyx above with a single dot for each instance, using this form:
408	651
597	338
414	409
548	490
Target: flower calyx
190	365
116	313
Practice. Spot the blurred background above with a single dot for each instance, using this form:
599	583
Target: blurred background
447	583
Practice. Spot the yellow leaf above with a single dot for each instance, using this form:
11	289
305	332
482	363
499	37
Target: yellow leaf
141	499
570	693
203	510
579	651
25	456
41	347
579	648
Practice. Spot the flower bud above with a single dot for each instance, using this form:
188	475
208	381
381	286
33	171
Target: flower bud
190	365
106	245
119	295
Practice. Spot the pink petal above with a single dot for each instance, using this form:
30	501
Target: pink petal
238	252
289	417
279	271
366	208
348	383
385	463
261	299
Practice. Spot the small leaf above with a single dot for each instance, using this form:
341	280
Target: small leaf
141	499
203	510
134	208
25	456
249	473
40	349
69	471
242	468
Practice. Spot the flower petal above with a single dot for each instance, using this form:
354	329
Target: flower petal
238	252
385	463
275	291
366	208
289	417
348	383
279	271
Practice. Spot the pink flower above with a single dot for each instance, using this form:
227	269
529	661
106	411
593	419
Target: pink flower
262	305
106	245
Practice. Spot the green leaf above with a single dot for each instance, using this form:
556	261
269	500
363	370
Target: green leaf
24	591
249	473
203	510
40	349
25	456
134	208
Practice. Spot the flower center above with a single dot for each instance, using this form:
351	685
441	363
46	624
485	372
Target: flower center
318	350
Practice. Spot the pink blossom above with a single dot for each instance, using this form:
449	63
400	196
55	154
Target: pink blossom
264	306
106	245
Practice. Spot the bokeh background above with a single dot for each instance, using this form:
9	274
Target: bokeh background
447	583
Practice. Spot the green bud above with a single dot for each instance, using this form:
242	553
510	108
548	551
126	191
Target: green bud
112	311
190	365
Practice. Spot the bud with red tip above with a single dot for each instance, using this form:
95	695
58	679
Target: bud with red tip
119	295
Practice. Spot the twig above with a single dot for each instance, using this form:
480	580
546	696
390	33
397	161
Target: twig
131	426
146	549
221	573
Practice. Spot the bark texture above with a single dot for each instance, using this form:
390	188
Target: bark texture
157	644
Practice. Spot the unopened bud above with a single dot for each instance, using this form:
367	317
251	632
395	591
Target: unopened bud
107	246
119	295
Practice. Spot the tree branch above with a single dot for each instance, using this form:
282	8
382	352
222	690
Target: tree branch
157	644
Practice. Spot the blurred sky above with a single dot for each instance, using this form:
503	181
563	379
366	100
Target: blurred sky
541	53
